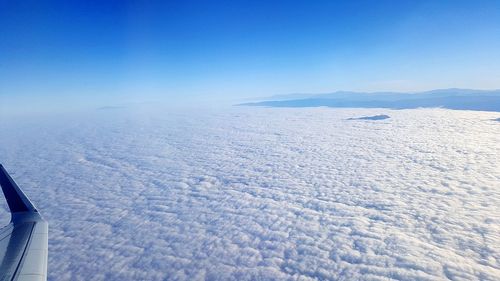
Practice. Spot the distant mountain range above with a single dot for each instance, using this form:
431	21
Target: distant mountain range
460	99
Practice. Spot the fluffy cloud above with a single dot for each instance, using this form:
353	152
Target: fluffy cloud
263	194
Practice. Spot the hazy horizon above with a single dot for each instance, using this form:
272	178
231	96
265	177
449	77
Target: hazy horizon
57	55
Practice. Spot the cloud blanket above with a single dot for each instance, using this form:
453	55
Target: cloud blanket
263	193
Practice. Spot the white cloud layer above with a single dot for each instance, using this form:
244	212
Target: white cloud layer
263	194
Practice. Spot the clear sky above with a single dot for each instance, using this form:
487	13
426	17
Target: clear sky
108	52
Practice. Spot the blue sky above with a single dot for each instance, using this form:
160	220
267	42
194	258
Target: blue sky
106	53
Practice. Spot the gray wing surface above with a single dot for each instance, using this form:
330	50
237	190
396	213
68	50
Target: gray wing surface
24	241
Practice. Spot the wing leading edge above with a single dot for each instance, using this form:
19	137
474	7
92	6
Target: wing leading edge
24	241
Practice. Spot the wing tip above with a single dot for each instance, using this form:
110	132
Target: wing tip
16	199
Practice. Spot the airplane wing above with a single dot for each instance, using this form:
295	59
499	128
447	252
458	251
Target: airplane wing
24	241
